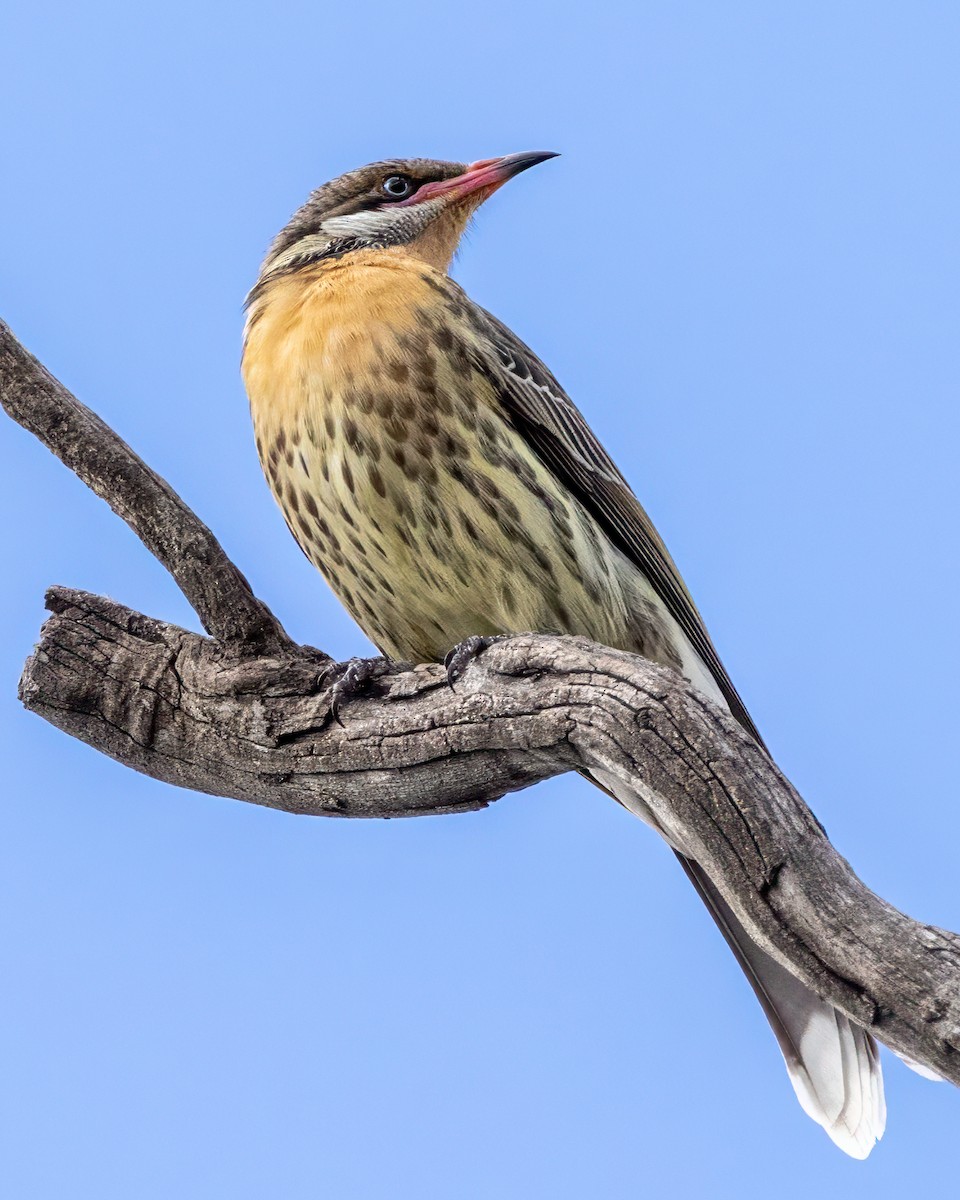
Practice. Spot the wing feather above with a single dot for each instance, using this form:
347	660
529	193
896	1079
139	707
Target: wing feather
556	430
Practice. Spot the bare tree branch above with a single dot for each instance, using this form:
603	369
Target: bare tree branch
255	726
172	533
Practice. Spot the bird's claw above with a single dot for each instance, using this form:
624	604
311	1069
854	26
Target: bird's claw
463	654
347	680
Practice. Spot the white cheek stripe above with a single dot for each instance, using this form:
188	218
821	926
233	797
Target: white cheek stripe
383	224
361	224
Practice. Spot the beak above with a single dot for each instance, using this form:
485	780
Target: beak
484	176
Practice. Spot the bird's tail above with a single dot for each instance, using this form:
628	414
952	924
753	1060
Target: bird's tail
834	1065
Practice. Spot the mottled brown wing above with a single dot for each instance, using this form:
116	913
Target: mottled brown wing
556	430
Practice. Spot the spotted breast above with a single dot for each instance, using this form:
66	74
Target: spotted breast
386	448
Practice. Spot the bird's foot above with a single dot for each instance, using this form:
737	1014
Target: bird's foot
463	654
350	679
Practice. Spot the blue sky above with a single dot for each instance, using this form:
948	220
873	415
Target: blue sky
744	269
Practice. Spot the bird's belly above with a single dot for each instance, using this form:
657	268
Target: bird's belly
429	539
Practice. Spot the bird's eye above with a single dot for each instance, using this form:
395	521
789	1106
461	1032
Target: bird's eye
397	187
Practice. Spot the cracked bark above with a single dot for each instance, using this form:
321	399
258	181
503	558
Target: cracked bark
241	714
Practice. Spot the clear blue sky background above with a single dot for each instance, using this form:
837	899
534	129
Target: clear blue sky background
745	269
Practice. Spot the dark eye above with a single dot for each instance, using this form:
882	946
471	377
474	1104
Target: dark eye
397	187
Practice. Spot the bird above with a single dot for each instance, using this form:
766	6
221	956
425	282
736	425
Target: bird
448	489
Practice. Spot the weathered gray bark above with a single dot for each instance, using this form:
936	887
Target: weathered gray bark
243	714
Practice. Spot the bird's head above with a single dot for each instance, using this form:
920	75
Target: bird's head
417	205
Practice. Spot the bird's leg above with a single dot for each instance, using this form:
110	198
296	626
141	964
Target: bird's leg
463	654
347	680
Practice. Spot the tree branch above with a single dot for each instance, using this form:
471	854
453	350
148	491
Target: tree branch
217	591
254	725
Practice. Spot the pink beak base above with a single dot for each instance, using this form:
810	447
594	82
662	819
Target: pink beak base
486	175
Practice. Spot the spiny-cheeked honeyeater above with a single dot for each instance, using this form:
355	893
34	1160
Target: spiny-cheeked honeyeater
445	485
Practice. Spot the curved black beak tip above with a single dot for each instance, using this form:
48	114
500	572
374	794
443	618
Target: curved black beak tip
516	163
